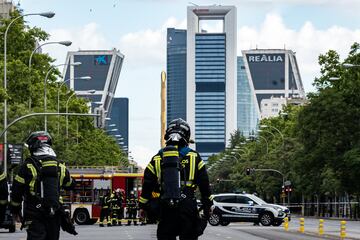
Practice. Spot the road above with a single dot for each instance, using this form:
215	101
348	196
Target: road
233	231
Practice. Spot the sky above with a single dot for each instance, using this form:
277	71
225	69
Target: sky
138	29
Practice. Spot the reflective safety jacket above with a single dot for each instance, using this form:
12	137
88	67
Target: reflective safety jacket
27	184
193	174
105	201
116	201
3	190
131	203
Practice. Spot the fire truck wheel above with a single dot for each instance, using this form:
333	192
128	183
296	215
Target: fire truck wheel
81	216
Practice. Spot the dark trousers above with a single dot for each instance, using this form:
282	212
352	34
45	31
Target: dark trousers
117	215
132	212
44	228
2	212
181	221
104	214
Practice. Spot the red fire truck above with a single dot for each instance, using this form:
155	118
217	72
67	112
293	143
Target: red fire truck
83	202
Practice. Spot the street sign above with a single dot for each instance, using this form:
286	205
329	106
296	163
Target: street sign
287	183
283	195
15	153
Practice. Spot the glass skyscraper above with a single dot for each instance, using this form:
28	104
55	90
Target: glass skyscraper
120	117
247	114
273	74
176	74
103	67
210	93
211	77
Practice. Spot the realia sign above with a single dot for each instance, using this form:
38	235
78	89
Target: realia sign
266	58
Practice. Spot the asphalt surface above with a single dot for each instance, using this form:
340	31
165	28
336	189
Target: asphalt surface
234	231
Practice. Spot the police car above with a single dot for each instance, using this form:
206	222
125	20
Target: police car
233	207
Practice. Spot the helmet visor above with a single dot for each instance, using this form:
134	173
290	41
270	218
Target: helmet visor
174	137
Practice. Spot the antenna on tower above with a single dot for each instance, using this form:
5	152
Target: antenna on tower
194	4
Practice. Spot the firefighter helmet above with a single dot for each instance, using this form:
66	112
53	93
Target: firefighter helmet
177	129
38	139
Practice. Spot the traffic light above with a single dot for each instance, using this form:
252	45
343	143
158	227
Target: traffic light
100	119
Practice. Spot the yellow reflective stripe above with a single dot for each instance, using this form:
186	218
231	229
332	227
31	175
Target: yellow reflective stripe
158	167
192	166
2	176
68	184
143	200
151	168
34	175
3	202
171	154
19	179
62	174
16	204
155	194
49	162
211	197
201	164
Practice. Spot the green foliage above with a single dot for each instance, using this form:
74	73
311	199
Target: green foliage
25	93
316	146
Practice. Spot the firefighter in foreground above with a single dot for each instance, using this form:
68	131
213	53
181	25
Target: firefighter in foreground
38	183
177	171
105	210
132	206
117	210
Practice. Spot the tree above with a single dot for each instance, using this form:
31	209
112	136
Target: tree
85	145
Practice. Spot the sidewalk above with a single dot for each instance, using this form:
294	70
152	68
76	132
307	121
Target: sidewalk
331	227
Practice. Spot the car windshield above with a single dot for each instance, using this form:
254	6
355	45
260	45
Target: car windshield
258	200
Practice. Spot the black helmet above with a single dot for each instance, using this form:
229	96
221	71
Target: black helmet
38	139
177	129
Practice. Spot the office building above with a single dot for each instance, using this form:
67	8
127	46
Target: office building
119	115
103	67
6	7
274	77
211	77
176	74
247	113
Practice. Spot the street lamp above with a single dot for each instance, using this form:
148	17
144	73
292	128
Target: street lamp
44	14
282	136
58	92
334	78
350	65
65	43
45	83
112	130
67	117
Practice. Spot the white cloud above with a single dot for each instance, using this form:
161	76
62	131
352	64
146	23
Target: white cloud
148	47
88	37
145	57
308	42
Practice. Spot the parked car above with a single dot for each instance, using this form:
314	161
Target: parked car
234	207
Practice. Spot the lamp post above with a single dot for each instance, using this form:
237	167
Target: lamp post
65	43
44	14
282	136
45	83
350	65
112	130
67	109
58	93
